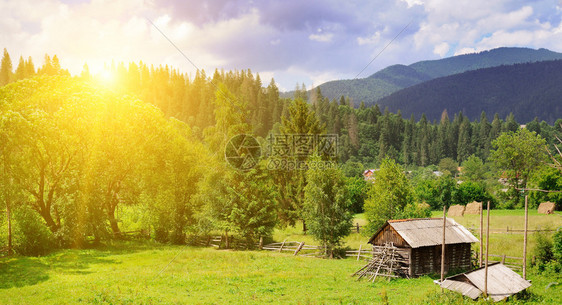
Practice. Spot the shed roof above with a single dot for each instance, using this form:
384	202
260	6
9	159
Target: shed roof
502	282
425	232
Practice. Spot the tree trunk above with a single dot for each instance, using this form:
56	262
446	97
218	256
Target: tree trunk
304	226
113	221
46	214
226	240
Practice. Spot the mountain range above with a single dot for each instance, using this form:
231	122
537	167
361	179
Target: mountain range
501	80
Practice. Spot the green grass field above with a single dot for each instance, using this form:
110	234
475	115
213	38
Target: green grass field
148	273
142	274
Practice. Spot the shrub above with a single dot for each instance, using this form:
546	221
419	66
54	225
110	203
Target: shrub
31	235
543	250
557	246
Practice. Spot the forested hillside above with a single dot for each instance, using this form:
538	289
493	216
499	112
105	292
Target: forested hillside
397	77
87	157
527	90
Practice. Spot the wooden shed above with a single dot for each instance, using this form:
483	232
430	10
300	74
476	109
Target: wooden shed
418	242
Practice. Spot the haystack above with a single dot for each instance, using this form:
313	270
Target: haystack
473	208
547	207
456	210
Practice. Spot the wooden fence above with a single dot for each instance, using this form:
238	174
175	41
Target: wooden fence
366	253
296	247
509	230
513	262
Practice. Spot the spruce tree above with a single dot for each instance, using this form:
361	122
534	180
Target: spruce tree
5	69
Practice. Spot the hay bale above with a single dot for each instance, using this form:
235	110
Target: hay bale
456	210
547	207
473	208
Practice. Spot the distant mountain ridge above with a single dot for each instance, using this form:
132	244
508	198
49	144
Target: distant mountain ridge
527	90
397	77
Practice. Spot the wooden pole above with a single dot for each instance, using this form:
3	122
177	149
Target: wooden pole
359	252
525	239
443	246
487	248
9	215
481	234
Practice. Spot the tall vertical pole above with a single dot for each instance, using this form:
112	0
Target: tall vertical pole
487	248
525	238
443	245
9	216
481	234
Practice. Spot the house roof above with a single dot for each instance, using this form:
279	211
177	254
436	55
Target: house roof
502	282
425	232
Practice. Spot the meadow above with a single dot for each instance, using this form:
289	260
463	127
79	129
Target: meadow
142	272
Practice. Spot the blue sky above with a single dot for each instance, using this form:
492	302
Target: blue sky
292	41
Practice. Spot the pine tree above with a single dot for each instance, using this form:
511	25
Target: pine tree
5	69
20	70
29	68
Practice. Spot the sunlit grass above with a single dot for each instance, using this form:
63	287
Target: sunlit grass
147	273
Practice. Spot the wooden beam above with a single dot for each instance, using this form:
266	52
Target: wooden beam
487	248
525	238
443	246
481	235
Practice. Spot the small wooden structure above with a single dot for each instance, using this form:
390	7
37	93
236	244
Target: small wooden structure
502	282
418	242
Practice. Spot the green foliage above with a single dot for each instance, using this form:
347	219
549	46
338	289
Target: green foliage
543	250
448	166
467	192
357	189
252	208
415	210
547	178
388	196
517	155
557	246
473	169
31	237
326	206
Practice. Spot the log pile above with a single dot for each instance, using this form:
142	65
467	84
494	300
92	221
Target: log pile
387	261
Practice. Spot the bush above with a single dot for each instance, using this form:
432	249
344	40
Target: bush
543	250
557	246
31	235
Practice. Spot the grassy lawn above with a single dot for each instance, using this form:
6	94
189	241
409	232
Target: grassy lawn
143	274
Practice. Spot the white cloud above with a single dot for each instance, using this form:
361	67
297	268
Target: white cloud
101	31
441	49
327	37
373	39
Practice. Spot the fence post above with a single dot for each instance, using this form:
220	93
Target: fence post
503	259
357	227
281	248
525	239
359	253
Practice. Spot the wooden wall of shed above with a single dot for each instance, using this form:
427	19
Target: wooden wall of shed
426	260
387	235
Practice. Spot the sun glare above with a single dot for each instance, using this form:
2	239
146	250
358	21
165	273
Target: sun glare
107	77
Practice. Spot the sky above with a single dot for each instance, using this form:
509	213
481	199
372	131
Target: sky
293	41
